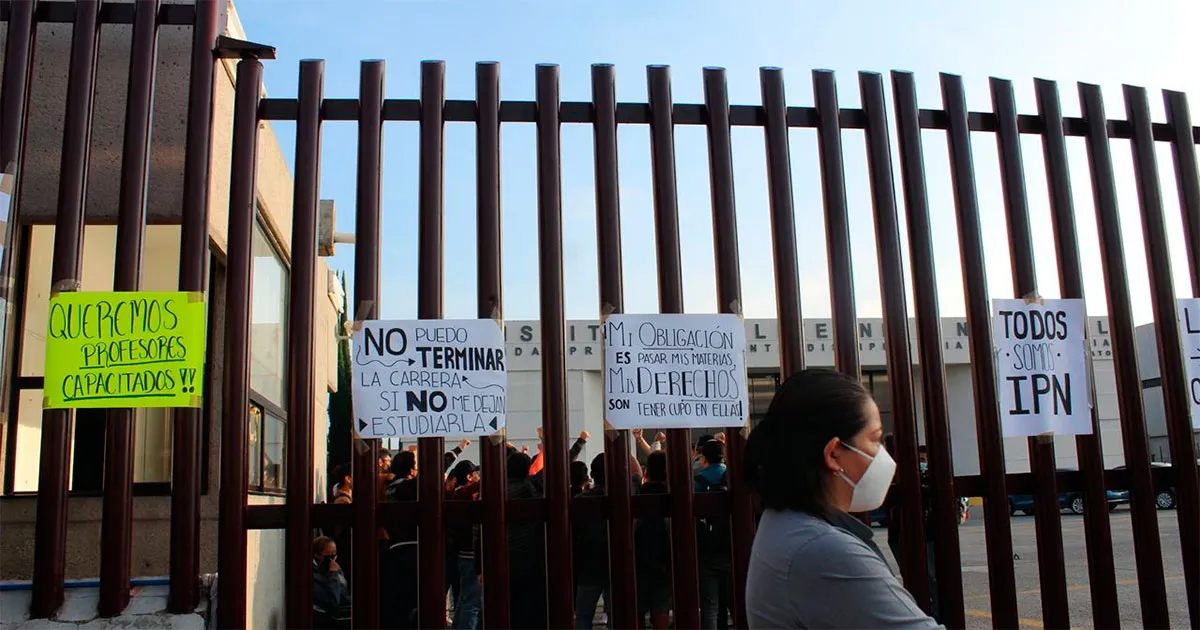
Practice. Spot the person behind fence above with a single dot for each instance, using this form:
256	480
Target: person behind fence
652	544
463	485
713	539
331	594
590	542
398	564
815	458
526	553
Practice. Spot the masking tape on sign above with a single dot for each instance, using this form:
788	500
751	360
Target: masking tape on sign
66	285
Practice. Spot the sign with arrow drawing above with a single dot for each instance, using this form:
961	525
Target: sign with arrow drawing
428	378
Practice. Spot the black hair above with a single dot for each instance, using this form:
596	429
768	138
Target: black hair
384	453
713	452
340	472
656	466
320	543
704	439
579	475
518	466
598	469
462	470
785	453
404	463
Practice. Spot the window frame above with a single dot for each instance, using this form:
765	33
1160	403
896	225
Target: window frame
265	406
17	382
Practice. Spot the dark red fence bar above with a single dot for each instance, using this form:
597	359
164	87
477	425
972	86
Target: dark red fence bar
14	90
837	223
559	572
231	561
729	300
116	528
1047	520
432	549
622	608
193	276
1183	150
1147	548
488	264
929	348
913	560
300	346
1002	582
1097	529
783	222
367	246
685	570
1170	353
50	540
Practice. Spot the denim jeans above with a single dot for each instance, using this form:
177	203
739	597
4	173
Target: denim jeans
467	606
715	591
587	596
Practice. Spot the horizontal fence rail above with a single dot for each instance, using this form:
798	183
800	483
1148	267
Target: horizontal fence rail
559	513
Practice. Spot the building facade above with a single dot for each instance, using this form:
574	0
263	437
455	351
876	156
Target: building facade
160	272
586	383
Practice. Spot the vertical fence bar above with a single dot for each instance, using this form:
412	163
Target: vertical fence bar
491	304
783	222
1183	151
300	348
368	199
929	345
186	440
623	589
14	89
1097	529
1170	352
837	224
116	528
1147	548
231	562
913	558
1002	581
14	99
50	539
729	300
670	300
432	549
554	368
1052	570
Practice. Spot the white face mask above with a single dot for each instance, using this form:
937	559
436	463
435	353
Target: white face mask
871	490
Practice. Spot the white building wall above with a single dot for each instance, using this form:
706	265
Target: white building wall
584	353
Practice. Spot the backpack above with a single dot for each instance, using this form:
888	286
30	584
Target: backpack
712	534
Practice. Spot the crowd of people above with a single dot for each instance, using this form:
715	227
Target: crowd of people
397	481
816	458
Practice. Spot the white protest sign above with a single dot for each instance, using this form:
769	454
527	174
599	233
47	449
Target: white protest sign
675	371
428	378
1041	367
1189	332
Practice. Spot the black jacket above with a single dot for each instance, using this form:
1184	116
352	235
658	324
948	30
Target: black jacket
590	542
526	541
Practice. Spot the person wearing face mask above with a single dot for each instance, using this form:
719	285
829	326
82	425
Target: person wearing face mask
816	458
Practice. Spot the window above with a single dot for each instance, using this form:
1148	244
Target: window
267	433
30	300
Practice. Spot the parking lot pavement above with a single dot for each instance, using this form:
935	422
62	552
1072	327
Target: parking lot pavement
1025	565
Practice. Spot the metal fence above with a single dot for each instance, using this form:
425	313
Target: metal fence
371	111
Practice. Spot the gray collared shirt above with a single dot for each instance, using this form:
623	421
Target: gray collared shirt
806	572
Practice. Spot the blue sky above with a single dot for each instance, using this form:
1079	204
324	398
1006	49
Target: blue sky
1100	42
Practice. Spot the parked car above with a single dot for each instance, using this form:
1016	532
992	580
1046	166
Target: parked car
1164	494
1073	501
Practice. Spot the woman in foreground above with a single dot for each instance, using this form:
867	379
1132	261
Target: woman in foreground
815	458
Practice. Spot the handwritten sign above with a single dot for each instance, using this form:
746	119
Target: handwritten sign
125	349
1041	367
428	378
1189	331
675	371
